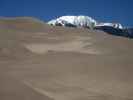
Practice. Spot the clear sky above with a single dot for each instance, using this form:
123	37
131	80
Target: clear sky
102	10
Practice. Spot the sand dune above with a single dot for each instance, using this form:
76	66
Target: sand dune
41	62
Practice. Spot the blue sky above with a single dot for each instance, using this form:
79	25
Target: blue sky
102	10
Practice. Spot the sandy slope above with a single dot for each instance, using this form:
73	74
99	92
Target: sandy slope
40	62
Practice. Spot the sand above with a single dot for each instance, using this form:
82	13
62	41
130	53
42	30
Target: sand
57	63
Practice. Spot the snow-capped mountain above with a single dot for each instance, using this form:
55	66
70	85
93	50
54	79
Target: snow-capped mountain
114	25
81	21
77	21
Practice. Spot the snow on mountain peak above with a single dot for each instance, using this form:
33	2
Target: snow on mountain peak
78	21
81	21
115	25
